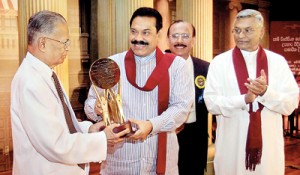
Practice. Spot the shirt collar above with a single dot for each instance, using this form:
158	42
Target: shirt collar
249	54
39	65
146	58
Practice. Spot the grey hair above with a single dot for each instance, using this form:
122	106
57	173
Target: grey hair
248	13
42	22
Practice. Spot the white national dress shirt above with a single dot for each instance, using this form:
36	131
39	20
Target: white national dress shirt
223	99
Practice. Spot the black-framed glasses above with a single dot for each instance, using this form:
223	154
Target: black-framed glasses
176	36
246	31
66	43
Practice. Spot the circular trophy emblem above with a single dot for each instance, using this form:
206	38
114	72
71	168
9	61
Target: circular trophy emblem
104	73
200	81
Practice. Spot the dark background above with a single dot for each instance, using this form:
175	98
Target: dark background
284	10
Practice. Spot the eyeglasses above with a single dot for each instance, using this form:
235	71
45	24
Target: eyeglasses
66	43
246	31
184	36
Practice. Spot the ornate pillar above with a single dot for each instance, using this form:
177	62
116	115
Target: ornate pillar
263	8
28	8
200	14
113	24
234	6
105	25
163	7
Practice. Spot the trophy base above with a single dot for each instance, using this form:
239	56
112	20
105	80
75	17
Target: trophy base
124	126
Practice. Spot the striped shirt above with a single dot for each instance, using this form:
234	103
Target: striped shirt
139	158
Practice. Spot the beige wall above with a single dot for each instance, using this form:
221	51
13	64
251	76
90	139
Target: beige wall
9	62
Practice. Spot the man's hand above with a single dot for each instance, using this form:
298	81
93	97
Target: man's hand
98	109
259	85
143	129
180	128
250	97
112	137
97	127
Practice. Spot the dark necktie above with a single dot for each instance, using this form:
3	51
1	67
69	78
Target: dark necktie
68	118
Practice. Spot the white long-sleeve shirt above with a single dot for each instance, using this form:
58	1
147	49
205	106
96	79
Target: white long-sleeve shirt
223	99
136	158
42	143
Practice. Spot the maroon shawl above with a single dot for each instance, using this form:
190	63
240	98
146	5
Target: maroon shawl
159	77
254	137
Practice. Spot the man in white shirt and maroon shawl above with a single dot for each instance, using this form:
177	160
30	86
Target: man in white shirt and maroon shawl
249	88
157	94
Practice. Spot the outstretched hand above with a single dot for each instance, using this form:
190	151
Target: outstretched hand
112	137
99	126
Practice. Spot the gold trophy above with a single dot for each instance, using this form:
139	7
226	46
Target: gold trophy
105	74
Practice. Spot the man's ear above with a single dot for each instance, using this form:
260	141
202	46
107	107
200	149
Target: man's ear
159	34
193	41
262	33
41	44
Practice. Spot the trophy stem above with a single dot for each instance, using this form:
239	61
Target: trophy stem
103	104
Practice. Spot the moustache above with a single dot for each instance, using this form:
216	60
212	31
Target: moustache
140	42
183	45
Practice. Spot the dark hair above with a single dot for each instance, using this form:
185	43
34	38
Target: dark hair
148	12
179	21
42	22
